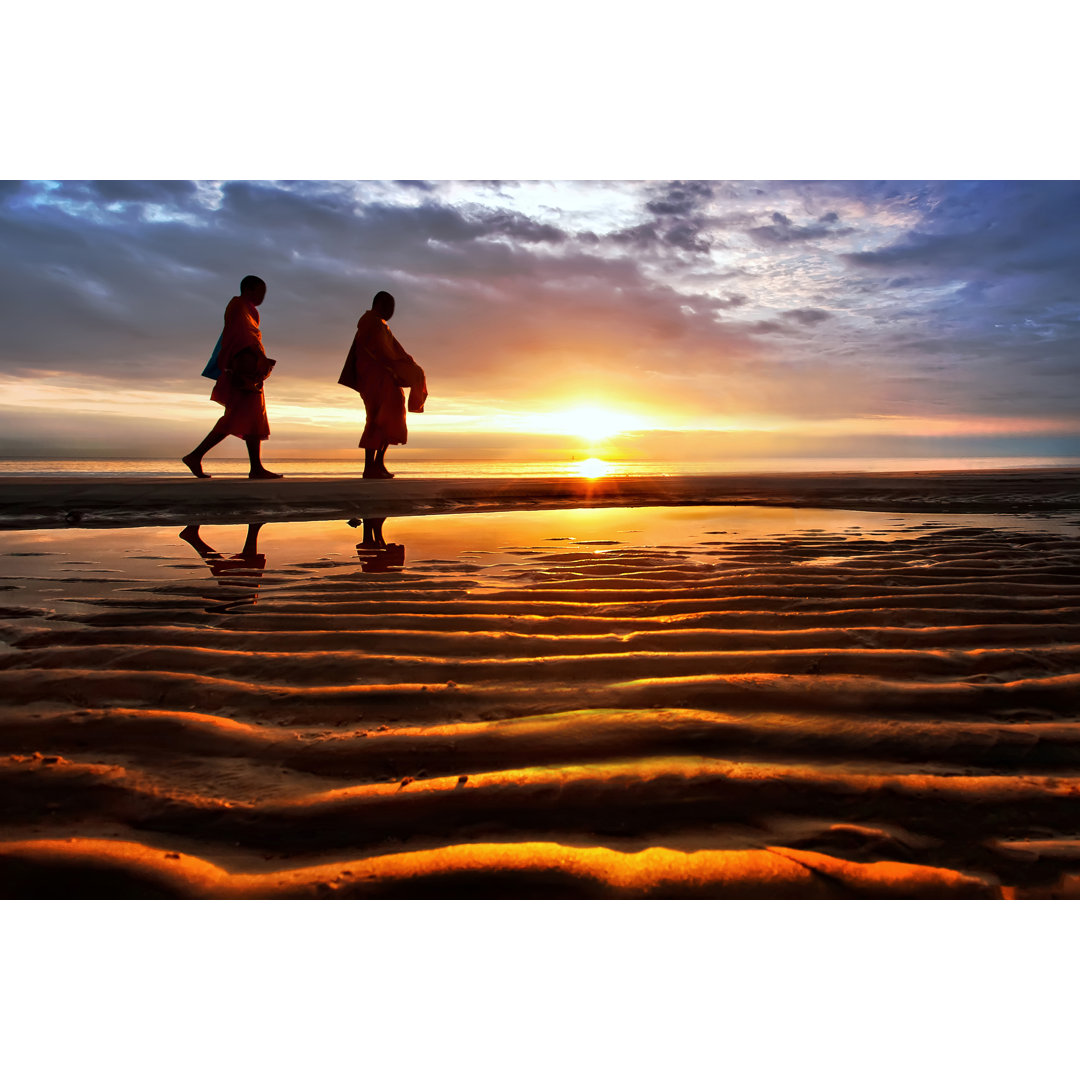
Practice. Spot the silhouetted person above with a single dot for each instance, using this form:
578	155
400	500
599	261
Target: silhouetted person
375	554
377	367
239	387
248	563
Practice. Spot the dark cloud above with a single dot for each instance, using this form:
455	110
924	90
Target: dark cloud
681	197
642	235
784	231
808	316
161	192
679	222
687	237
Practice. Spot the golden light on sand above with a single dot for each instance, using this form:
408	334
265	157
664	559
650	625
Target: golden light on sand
592	468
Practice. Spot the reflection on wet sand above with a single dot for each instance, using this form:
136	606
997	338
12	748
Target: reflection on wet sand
249	563
375	554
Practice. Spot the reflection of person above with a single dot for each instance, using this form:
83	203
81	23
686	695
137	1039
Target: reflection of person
249	563
375	554
239	387
377	367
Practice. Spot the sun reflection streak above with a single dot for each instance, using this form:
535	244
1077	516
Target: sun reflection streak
592	468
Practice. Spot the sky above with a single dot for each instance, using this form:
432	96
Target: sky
682	319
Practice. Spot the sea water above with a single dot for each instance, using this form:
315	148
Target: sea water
406	465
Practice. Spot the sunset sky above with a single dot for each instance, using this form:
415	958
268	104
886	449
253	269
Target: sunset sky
681	320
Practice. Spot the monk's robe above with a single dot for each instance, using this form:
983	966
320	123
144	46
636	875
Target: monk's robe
244	365
377	368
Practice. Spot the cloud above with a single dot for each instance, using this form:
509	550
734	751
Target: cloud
680	198
162	192
783	230
679	219
995	228
948	297
808	316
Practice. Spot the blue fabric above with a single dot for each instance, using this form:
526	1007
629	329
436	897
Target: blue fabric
213	369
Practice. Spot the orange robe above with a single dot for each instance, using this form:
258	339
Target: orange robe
243	367
377	367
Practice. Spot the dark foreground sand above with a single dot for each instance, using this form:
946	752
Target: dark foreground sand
28	502
811	715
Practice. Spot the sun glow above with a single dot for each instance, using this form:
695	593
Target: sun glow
593	424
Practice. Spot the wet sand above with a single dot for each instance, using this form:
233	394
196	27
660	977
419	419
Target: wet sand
733	713
34	501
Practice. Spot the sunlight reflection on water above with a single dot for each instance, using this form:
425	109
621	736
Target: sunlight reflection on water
414	465
592	468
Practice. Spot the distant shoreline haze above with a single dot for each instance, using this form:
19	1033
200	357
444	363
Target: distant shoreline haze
486	467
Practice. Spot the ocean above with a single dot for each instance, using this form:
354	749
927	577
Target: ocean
406	466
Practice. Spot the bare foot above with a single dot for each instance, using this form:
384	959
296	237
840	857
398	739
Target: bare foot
195	465
264	474
377	474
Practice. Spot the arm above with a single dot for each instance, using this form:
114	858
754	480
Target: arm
241	331
243	357
407	372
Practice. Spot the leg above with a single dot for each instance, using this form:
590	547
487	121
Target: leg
251	543
258	472
373	537
374	469
191	535
380	463
194	460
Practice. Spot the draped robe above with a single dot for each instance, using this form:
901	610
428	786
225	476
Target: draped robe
377	367
244	365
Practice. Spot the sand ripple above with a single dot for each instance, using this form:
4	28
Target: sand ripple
798	716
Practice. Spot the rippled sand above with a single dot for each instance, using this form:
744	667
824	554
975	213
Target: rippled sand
737	712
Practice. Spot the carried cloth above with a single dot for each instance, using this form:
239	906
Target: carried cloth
374	345
213	368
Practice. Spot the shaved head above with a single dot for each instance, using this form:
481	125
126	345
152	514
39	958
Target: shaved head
383	305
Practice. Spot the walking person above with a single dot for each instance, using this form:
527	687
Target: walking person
377	368
243	365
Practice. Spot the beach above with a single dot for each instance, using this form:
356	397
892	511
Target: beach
91	501
817	686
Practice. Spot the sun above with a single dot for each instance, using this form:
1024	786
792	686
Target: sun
592	468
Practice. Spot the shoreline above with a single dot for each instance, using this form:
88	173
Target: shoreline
107	502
